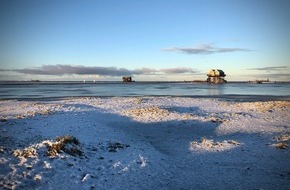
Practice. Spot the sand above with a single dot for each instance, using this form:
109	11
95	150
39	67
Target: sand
144	143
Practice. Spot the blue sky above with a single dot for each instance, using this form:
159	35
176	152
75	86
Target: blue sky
150	40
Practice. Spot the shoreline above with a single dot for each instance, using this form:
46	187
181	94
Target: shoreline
3	82
232	97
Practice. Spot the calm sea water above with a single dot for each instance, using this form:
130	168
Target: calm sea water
19	90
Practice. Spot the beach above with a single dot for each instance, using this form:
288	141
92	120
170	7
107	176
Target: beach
146	142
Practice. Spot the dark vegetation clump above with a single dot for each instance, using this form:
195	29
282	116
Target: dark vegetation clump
114	147
3	120
67	144
68	139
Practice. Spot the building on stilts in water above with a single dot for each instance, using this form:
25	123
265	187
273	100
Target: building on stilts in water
216	76
127	79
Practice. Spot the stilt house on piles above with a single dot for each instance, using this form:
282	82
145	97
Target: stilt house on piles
216	76
127	79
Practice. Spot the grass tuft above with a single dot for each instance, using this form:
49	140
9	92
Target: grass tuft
67	144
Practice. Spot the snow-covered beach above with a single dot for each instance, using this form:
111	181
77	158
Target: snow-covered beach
145	143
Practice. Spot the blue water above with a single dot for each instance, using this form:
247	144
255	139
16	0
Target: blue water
18	90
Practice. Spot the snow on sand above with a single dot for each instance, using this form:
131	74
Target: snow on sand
144	143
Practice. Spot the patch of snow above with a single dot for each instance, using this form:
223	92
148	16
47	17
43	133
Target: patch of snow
145	142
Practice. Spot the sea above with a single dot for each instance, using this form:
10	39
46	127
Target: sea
41	89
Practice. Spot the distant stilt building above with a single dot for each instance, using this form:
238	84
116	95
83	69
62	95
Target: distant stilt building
127	79
216	76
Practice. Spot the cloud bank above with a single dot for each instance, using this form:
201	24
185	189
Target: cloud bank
275	72
70	69
205	49
276	68
59	70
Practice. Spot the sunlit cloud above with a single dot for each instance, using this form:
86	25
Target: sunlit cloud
205	49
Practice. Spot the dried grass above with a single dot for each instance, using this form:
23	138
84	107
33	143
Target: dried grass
282	141
147	111
281	145
67	144
26	153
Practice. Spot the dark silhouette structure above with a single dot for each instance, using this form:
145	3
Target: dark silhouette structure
127	79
